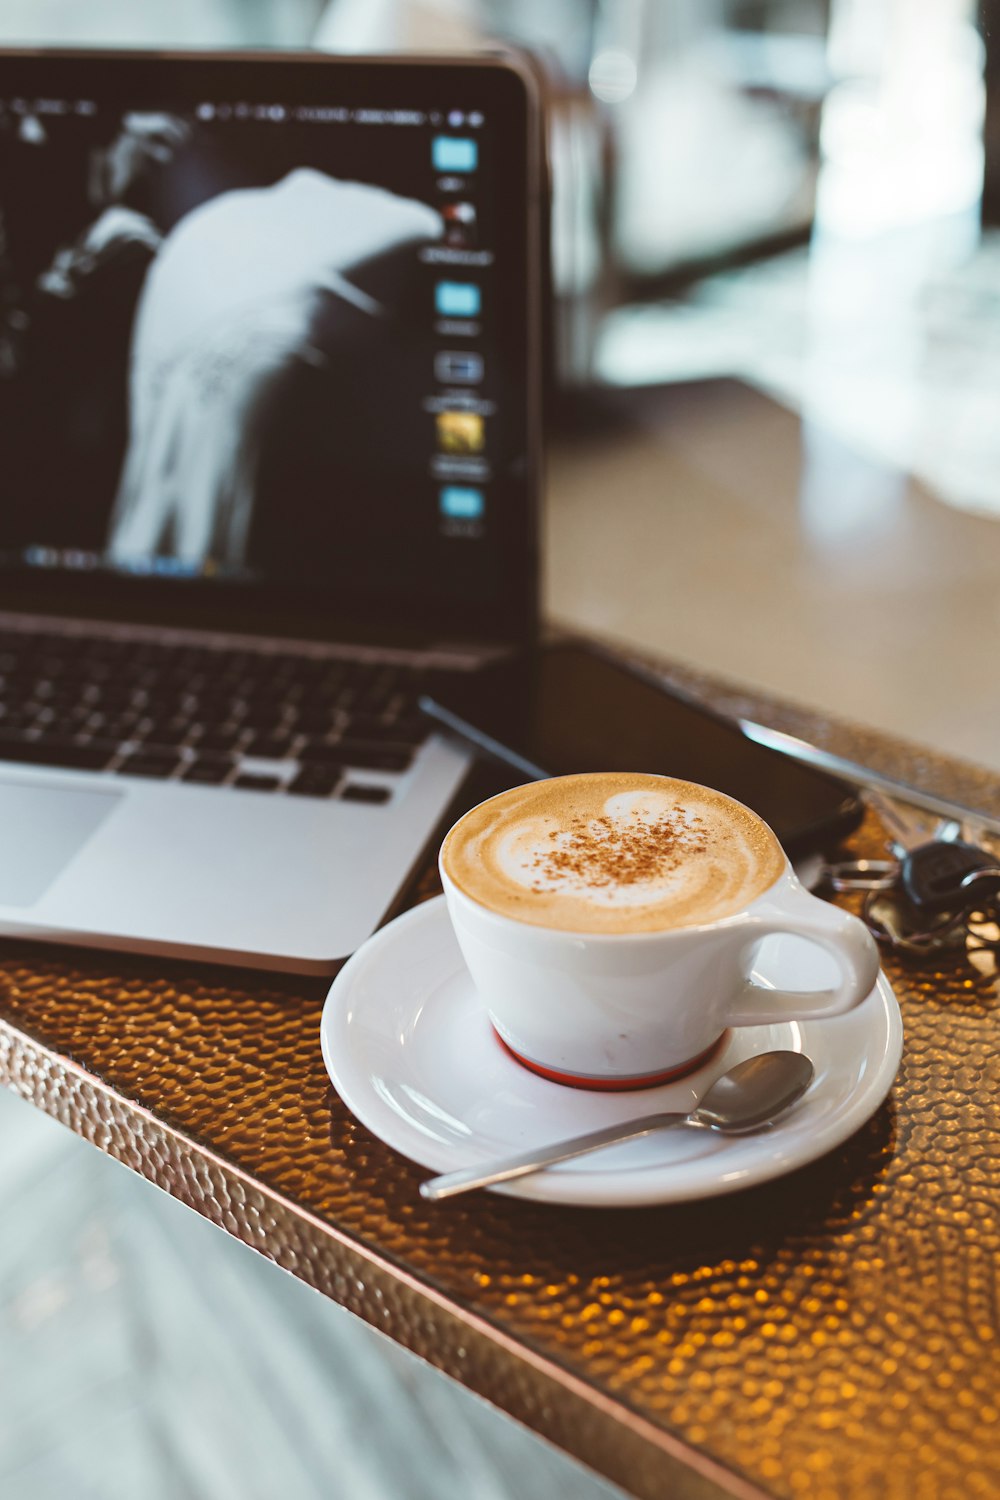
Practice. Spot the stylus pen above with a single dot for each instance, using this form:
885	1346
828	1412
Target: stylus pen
863	776
483	741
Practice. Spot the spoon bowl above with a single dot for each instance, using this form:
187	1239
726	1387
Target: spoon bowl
753	1093
749	1097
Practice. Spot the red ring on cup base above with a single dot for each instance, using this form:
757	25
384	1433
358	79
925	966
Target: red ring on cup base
612	1085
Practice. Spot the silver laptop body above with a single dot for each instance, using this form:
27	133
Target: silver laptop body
270	383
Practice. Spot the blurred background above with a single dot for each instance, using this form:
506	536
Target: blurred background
774	456
775	340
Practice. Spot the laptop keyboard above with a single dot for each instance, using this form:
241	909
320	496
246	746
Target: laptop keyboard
303	726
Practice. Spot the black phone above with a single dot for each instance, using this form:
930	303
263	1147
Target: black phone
568	707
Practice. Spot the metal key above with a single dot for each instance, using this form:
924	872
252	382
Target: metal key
939	877
934	893
892	921
910	830
945	893
859	875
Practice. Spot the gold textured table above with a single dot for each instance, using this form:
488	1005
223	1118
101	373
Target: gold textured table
834	1335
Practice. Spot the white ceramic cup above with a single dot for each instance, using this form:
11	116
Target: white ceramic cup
629	1009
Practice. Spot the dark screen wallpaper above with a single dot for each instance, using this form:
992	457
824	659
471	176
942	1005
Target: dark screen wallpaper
257	347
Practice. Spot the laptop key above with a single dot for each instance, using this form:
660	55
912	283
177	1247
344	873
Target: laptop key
74	700
251	782
357	791
208	770
318	753
374	756
397	734
155	764
412	727
269	746
56	752
116	727
160	731
315	781
222	740
308	721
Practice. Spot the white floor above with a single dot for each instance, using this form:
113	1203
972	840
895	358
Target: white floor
144	1352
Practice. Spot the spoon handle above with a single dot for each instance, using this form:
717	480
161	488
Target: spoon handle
545	1156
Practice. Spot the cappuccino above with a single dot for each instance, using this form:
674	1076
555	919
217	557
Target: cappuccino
613	852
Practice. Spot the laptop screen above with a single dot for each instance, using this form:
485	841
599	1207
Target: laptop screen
264	335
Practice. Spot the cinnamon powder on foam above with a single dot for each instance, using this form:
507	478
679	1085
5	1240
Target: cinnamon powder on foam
588	847
603	851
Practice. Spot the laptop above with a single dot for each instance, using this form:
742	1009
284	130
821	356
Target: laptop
269	418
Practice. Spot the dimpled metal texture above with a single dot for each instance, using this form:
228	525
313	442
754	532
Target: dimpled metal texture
832	1335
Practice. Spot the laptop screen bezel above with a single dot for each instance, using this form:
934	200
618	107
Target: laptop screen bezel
502	87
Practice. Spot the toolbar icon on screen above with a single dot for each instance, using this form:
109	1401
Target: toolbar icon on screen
459	224
457	367
454	153
461	502
458	299
460	432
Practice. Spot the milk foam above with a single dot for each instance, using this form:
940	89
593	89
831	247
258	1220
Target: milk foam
613	852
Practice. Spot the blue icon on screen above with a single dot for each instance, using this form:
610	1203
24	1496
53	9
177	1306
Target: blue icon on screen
458	299
454	153
460	503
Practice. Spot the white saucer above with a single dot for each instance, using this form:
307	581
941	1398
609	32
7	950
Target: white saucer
410	1051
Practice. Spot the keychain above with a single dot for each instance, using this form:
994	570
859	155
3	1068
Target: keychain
932	896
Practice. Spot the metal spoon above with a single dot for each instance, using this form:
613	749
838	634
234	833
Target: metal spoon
749	1097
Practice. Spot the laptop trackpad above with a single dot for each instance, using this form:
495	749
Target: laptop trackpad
41	828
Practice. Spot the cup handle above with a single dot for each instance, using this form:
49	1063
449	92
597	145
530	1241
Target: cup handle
844	937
